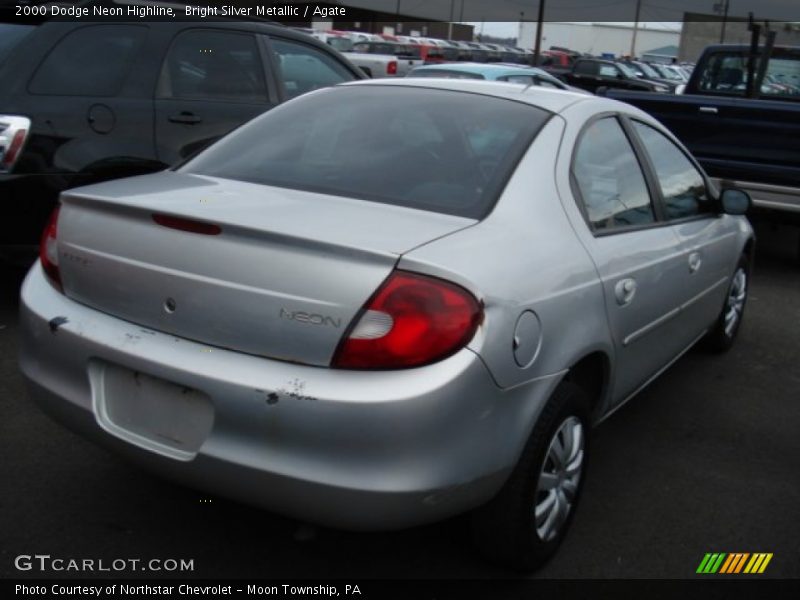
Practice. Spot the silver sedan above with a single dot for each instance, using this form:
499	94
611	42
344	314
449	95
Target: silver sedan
383	304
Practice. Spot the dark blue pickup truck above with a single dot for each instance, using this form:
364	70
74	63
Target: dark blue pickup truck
740	117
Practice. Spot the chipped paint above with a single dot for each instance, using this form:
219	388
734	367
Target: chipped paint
57	322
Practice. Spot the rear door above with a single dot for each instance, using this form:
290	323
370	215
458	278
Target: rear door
85	89
211	81
638	257
88	100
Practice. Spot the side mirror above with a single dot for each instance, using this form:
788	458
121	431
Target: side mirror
735	202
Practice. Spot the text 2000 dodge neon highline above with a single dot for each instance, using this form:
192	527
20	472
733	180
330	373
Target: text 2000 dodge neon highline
385	303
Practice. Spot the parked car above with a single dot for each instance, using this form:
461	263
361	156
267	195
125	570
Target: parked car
83	102
670	73
649	73
385	59
479	52
339	41
745	140
493	72
445	347
593	73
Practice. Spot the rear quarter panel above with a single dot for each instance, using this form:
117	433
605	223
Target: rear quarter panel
525	257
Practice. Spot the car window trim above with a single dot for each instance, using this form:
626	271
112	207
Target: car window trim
227	30
578	196
270	74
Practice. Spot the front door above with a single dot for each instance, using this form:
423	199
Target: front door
708	239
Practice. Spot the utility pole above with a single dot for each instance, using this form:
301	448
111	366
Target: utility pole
635	28
722	7
724	22
450	24
540	24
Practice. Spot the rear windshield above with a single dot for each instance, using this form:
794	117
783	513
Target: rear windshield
443	151
11	35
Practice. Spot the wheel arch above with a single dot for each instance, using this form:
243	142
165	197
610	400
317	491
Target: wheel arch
592	373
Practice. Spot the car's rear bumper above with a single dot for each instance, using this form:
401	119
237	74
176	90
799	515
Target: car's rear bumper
364	450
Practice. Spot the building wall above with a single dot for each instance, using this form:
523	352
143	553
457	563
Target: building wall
700	31
597	38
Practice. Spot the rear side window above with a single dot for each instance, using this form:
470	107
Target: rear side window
586	67
90	61
610	180
11	35
436	150
526	79
213	65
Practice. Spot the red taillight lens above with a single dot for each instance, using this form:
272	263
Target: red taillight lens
412	320
48	248
391	68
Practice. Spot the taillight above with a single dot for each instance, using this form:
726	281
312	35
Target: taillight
391	67
412	320
13	133
48	249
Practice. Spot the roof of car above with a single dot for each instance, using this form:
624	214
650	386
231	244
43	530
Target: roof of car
549	99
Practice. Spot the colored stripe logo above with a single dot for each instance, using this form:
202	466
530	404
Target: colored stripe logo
734	563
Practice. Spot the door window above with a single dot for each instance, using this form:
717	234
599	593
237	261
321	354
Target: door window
213	65
90	61
682	185
608	71
304	68
610	180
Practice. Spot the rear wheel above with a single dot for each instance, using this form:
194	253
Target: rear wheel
525	523
723	334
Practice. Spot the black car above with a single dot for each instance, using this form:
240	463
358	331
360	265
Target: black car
82	102
593	73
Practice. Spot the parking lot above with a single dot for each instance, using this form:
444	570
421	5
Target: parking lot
705	460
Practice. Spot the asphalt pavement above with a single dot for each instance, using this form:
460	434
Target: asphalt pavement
707	459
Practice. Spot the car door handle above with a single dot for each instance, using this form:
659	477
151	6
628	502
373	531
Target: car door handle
624	291
710	110
694	262
185	118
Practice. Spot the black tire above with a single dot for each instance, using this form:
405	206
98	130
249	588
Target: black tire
505	529
720	339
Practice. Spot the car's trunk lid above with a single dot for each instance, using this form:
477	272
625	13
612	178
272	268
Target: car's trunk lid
284	277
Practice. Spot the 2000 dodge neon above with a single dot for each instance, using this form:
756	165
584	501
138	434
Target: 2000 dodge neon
382	304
